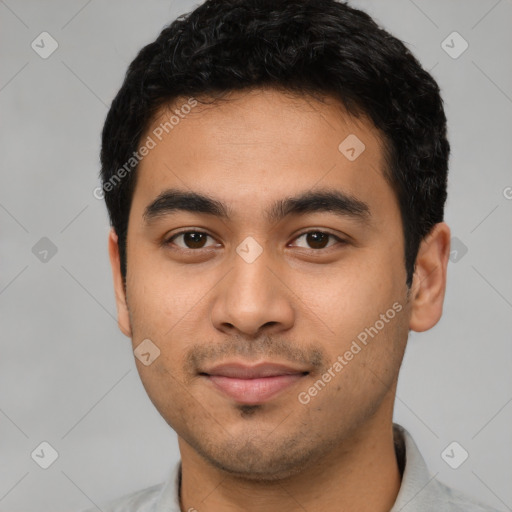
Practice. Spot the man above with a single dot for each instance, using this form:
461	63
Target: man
275	174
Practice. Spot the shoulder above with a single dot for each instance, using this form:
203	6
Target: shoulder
419	491
452	500
143	500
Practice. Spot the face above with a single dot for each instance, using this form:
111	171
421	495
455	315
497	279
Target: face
266	264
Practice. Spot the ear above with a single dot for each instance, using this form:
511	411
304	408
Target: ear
123	318
429	280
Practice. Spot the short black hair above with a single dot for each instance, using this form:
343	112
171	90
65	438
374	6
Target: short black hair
308	47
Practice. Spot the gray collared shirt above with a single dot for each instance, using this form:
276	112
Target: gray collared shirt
419	491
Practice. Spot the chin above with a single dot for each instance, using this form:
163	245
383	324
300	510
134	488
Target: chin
258	460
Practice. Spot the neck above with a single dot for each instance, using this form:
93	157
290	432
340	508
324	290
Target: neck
361	474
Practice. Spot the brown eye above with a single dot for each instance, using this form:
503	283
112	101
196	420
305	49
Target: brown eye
190	239
317	239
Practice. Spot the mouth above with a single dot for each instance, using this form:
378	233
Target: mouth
253	384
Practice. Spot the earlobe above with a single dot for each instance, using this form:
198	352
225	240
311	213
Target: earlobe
429	281
123	317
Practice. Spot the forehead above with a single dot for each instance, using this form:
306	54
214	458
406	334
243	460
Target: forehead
261	144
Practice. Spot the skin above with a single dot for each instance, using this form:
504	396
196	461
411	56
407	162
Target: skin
297	303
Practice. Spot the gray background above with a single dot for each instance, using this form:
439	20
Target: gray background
67	375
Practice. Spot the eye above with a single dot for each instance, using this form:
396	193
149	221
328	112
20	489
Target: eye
318	239
190	239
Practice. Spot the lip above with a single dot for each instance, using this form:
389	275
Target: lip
253	384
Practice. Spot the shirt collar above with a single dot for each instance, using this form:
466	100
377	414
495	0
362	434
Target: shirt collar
416	477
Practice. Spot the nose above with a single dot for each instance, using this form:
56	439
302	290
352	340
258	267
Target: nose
253	300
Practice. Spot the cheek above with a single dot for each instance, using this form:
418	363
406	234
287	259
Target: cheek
165	388
161	297
341	297
362	300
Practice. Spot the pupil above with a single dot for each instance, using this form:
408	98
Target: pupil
317	240
194	240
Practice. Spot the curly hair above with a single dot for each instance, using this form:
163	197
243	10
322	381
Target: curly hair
308	47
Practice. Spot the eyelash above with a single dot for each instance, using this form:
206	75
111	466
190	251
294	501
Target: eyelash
168	241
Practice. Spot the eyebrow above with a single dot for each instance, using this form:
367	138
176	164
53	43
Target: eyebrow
325	200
